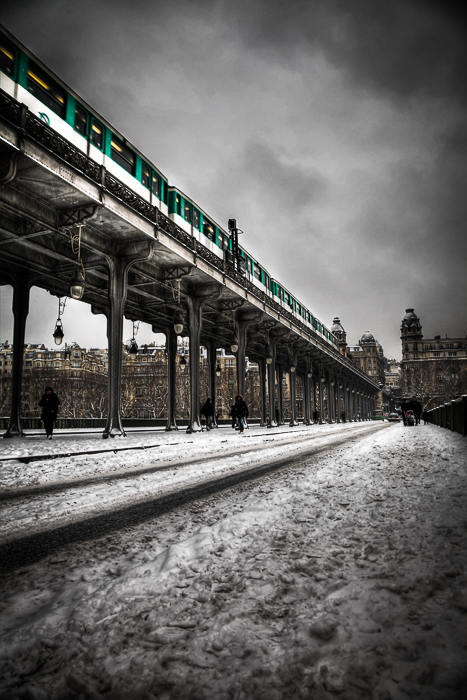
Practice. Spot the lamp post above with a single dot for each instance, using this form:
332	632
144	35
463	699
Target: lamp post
58	333
78	278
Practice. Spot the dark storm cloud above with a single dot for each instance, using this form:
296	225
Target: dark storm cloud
402	48
285	182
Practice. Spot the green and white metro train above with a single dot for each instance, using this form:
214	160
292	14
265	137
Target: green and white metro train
30	82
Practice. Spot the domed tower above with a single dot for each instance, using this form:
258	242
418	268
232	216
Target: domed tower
411	335
338	330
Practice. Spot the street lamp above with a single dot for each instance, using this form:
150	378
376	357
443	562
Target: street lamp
218	370
292	368
309	375
234	345
133	350
322	379
269	355
182	363
77	281
58	331
178	321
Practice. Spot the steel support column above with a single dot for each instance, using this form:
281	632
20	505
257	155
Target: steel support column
119	266
262	390
272	386
171	346
21	288
280	395
212	361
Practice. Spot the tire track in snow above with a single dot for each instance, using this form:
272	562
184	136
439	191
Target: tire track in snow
45	489
27	550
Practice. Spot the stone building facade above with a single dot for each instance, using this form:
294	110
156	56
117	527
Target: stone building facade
433	369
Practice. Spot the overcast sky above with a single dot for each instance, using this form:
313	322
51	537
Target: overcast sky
334	131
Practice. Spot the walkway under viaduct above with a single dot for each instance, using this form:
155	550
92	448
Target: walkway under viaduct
139	265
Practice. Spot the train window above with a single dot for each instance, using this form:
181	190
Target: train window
81	120
208	229
187	212
7	57
179	205
196	218
97	133
155	185
46	90
257	272
122	155
145	174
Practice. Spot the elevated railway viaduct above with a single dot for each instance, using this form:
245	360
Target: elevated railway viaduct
140	265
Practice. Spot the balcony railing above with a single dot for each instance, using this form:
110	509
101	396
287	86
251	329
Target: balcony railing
451	415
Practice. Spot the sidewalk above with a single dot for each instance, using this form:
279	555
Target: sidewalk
343	578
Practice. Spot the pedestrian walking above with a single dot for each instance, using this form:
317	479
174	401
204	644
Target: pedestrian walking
208	412
49	404
343	416
241	412
278	416
404	408
233	416
425	417
315	417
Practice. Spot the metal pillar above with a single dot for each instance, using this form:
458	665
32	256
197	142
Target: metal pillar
272	386
171	346
119	266
262	390
280	395
293	399
20	306
306	398
339	399
321	399
212	361
241	327
195	306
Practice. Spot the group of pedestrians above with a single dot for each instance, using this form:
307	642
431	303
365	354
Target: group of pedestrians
238	413
412	411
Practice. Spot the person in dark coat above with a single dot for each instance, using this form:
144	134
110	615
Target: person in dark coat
49	403
404	408
233	416
208	412
241	412
343	416
425	417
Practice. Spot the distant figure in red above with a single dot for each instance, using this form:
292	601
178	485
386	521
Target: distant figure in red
49	403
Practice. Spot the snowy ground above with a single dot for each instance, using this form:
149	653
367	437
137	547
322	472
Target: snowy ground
343	578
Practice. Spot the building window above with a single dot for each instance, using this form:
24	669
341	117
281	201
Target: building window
28	364
452	354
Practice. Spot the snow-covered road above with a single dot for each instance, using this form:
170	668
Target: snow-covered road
344	577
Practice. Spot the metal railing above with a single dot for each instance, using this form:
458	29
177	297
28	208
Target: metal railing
451	415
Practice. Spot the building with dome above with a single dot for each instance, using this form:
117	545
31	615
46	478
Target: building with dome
433	369
369	357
